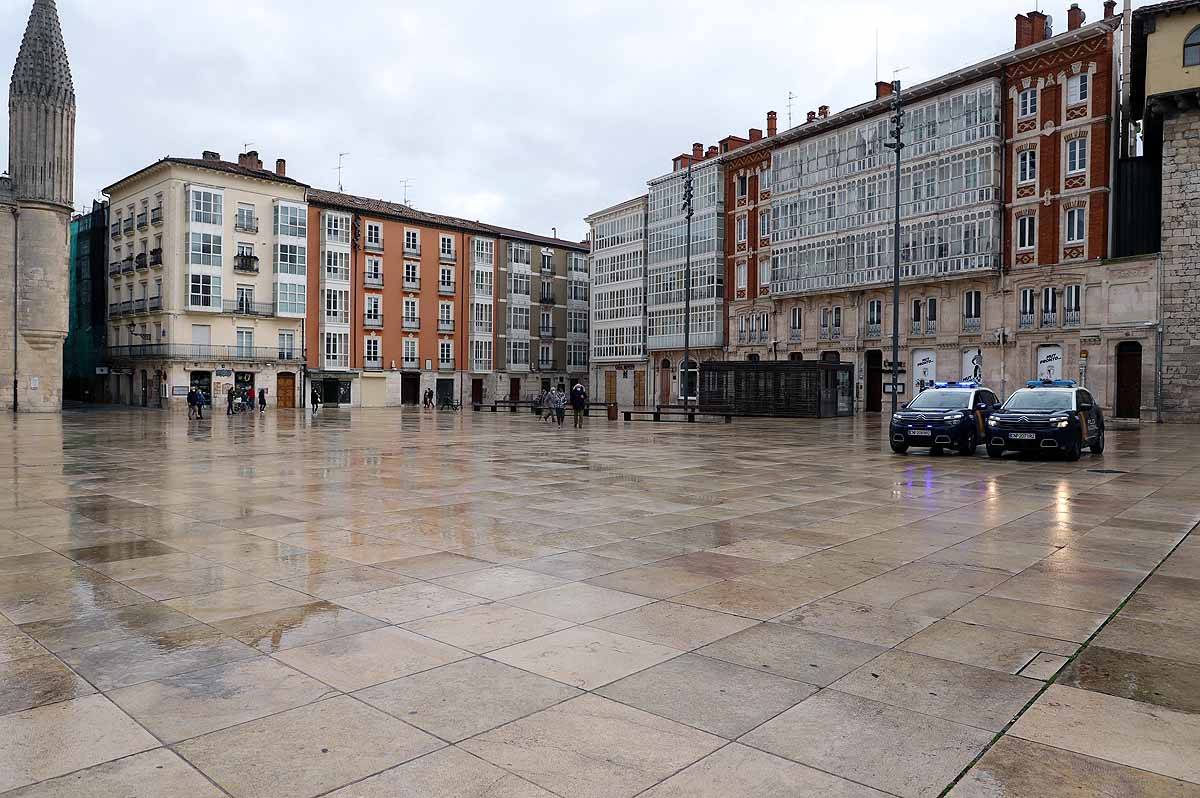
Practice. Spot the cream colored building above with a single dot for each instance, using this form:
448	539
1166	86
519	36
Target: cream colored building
207	271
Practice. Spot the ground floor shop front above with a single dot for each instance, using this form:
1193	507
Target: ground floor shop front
167	384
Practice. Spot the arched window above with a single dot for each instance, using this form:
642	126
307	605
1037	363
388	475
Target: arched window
1191	48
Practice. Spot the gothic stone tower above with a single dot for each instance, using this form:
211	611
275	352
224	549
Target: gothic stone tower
35	209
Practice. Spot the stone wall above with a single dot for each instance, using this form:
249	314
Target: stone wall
1181	267
6	298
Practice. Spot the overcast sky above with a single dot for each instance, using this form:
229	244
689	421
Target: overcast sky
519	113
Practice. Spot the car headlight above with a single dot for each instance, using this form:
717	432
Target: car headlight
897	417
1063	424
952	417
992	422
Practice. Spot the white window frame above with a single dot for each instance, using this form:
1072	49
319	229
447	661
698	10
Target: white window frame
1077	155
1078	88
375	233
1027	103
1027	163
1076	223
1027	232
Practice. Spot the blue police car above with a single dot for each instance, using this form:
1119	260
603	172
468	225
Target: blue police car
1047	415
948	414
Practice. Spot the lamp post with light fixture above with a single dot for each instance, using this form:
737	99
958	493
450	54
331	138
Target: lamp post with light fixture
896	145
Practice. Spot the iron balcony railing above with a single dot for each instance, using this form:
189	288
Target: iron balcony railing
972	324
127	307
795	334
931	326
1072	318
1050	319
445	288
242	307
546	365
139	261
446	365
1025	322
155	303
446	256
743	336
245	223
115	229
203	352
412	283
823	334
127	264
127	226
245	263
837	331
445	325
374	246
874	330
411	248
114	309
547	299
114	268
373	280
917	327
373	364
156	215
546	332
142	222
156	257
141	305
373	322
482	327
410	363
412	322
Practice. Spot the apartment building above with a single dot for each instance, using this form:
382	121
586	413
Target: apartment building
207	271
618	268
406	301
1004	257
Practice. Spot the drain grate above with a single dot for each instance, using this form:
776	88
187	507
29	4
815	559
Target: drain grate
1105	471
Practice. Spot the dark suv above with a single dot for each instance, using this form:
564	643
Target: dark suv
948	414
1047	416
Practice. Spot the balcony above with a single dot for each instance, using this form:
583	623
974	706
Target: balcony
412	247
156	215
837	332
127	265
142	220
127	307
245	223
154	303
445	325
140	263
445	365
445	288
917	328
412	322
1025	322
115	229
412	283
546	332
374	246
114	269
204	352
245	307
246	264
1072	318
1050	319
931	326
127	226
410	363
795	334
374	280
823	334
547	299
972	325
373	364
874	330
114	309
141	305
156	257
446	257
546	365
481	365
482	328
373	322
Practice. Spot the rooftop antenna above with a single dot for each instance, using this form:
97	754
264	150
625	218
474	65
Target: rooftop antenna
341	155
877	55
406	182
791	97
246	146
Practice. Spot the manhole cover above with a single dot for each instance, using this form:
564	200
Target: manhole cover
1105	471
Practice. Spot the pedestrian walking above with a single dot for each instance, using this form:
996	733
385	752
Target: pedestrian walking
229	402
548	405
560	407
199	404
262	400
191	400
579	399
316	400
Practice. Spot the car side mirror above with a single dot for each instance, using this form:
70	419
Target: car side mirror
904	405
984	406
996	407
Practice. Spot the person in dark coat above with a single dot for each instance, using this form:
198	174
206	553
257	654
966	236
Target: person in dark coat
191	400
262	400
579	400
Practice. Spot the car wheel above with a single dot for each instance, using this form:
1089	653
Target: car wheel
995	452
899	448
968	445
1072	452
1098	446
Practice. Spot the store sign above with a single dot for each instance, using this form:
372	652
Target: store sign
224	372
924	369
179	390
1049	362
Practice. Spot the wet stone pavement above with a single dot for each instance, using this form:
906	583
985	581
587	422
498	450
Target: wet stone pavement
378	603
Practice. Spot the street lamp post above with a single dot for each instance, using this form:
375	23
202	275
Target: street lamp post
687	289
896	145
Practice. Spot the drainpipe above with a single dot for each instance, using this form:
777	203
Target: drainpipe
1158	340
16	212
1004	221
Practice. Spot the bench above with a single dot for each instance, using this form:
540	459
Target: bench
659	414
512	405
449	404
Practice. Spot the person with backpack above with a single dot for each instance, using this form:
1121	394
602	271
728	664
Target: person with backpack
191	402
579	399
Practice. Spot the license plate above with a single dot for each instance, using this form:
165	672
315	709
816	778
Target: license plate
919	432
1022	436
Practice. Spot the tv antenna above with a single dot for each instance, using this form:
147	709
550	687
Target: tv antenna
406	182
791	97
341	155
246	146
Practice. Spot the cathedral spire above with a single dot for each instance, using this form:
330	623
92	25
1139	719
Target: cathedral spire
41	108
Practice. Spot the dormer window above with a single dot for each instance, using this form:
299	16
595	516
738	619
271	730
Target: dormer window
1191	49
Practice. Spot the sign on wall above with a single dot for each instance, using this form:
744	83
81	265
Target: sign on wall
924	369
1050	360
972	364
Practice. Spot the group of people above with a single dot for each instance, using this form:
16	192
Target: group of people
196	400
553	402
246	395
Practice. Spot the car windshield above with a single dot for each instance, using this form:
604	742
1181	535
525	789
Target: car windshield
1034	401
941	399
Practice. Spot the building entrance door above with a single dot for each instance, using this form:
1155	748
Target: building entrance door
476	391
514	389
610	386
285	389
874	376
410	389
1129	380
639	388
664	397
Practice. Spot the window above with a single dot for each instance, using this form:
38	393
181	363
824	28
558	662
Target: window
797	318
245	298
481	355
1049	300
481	314
204	291
245	250
410	309
287	345
1076	225
743	183
291	259
875	312
931	309
547	262
1071	298
410	350
337	265
446	245
374	234
412	241
741	276
245	218
205	250
518	283
374	270
578	291
577	355
1077	89
245	342
1027	302
292	220
206	206
412	272
518	353
445	352
764	224
484	252
1027	166
337	350
1191	49
519	254
546	356
446	277
1026	232
764	272
1077	155
518	317
547	327
837	318
917	306
577	321
741	229
373	307
972	305
337	306
371	349
483	282
1028	102
289	299
445	312
337	226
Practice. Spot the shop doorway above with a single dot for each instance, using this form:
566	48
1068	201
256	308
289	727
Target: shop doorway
610	386
445	391
874	381
476	391
514	389
639	389
410	389
1129	380
285	390
335	392
665	380
202	381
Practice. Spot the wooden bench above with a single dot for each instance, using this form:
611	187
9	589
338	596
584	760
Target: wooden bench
659	414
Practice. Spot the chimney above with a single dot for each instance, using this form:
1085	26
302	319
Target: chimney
882	89
281	167
1024	32
1075	17
755	134
247	160
1110	8
697	150
772	118
209	155
823	111
812	117
1041	26
712	151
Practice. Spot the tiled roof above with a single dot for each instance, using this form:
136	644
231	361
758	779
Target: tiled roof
1168	7
217	166
395	210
